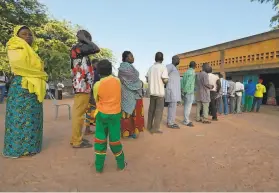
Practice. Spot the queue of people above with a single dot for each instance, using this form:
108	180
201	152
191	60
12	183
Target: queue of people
113	104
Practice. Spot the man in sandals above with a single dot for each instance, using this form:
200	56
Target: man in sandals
203	94
157	76
187	91
173	94
82	72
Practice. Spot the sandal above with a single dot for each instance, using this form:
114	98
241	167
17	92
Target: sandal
206	122
190	124
173	126
84	145
83	141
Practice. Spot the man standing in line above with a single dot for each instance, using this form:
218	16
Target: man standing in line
239	89
156	77
258	99
223	107
213	80
82	72
52	88
60	87
203	94
187	90
231	94
3	81
250	89
173	92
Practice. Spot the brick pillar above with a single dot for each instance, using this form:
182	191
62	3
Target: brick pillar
222	65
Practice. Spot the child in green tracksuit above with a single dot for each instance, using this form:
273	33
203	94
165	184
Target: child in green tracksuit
107	94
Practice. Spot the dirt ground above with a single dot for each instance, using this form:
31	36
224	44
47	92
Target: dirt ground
238	153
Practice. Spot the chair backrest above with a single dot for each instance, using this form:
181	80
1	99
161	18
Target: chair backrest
52	98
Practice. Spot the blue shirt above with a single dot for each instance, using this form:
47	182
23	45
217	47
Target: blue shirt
250	89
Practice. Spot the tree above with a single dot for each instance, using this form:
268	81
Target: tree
275	5
54	38
18	12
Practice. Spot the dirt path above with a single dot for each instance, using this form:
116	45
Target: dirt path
238	153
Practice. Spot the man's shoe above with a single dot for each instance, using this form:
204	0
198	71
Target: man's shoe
84	145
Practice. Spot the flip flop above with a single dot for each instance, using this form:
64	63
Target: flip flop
206	122
173	126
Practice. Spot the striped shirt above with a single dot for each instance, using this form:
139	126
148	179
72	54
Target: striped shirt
225	86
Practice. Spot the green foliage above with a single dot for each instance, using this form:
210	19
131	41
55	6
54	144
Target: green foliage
275	5
4	65
19	12
54	38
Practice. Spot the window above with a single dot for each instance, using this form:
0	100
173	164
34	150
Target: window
267	55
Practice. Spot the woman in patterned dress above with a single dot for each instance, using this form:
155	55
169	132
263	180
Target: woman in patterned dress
132	122
271	95
24	111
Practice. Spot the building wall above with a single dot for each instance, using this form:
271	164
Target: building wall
212	58
258	55
252	53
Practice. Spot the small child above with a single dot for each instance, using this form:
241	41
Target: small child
89	115
107	94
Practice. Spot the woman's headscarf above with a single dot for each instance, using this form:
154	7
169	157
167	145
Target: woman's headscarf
26	63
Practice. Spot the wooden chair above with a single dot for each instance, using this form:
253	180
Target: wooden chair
59	105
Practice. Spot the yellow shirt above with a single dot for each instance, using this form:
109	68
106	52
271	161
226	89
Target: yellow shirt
260	90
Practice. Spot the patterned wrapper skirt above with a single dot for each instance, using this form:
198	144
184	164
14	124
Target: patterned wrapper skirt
271	101
89	115
132	125
24	122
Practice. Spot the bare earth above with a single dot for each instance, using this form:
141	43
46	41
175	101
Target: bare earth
238	153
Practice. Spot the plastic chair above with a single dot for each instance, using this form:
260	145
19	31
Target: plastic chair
59	105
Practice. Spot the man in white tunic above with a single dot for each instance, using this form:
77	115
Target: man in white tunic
173	92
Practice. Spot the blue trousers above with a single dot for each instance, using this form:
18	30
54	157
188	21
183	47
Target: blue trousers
257	103
223	105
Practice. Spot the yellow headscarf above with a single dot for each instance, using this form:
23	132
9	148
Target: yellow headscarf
26	63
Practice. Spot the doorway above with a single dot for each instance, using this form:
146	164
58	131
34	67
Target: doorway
267	78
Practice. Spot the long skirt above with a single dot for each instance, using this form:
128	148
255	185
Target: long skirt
24	122
132	125
271	101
